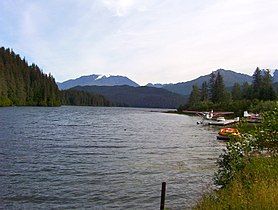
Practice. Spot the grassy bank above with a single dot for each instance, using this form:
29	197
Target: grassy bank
255	187
248	169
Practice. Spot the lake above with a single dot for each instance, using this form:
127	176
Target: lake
103	158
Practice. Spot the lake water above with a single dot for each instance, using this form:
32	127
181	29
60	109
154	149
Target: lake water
103	158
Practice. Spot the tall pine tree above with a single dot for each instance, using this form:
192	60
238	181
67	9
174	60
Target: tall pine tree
266	91
236	92
194	98
257	83
204	92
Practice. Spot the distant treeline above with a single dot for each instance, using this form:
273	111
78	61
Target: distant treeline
214	95
82	98
26	85
147	97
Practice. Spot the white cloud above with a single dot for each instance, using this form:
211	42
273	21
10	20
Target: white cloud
149	41
125	7
120	7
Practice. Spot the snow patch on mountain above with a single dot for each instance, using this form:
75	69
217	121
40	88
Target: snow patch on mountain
99	80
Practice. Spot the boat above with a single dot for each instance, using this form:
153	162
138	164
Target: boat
225	133
252	118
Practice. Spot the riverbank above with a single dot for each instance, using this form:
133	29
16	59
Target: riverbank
248	170
255	187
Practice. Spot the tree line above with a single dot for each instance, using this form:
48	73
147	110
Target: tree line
22	84
214	95
82	98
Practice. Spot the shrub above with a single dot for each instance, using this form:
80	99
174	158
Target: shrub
5	101
257	139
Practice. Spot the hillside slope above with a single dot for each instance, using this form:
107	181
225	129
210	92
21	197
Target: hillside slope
185	88
136	96
22	84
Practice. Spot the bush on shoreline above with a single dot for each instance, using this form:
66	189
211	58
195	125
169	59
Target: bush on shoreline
248	169
254	187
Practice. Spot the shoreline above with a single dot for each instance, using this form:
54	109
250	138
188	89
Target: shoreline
248	169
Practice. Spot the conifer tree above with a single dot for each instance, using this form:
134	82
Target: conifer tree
247	92
219	88
257	83
194	98
266	91
204	92
212	93
236	92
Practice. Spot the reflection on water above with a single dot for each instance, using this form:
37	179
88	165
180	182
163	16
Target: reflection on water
103	158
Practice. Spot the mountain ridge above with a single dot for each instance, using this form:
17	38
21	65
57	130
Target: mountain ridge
97	79
275	76
183	88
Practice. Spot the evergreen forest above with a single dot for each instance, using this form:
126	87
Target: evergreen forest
22	84
82	98
257	96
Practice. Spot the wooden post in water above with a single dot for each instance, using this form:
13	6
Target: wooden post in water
163	193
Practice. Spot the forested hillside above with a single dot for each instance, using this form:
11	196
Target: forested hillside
81	98
23	84
136	96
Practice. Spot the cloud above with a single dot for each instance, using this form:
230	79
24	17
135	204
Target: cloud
149	41
120	7
125	7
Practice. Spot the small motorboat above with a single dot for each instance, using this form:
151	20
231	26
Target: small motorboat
225	133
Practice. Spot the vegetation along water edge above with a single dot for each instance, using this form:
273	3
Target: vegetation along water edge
248	168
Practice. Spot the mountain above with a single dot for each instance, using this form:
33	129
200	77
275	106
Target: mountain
275	76
184	88
136	96
157	85
99	80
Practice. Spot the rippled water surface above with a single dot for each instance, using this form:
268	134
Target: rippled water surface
103	158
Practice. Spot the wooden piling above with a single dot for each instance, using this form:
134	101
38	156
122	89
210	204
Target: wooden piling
163	193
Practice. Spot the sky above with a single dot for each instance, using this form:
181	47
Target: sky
157	41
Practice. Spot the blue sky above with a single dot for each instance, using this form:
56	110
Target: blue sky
158	41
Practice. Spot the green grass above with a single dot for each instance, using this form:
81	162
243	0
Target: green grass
255	187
